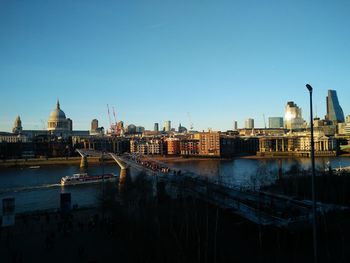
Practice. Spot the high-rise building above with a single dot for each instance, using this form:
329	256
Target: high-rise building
94	125
235	125
70	124
156	126
347	120
167	126
249	123
275	122
293	118
334	111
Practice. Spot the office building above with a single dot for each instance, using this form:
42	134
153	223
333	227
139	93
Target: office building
235	125
94	125
334	111
275	122
249	123
293	117
156	127
167	126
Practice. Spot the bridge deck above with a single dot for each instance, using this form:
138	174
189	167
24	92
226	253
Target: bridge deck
259	207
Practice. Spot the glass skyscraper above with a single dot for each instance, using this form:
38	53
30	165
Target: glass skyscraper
334	111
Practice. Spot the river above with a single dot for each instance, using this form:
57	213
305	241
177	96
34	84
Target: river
36	189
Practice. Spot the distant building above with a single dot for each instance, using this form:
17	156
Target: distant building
234	145
235	125
95	130
94	125
70	124
131	128
347	120
120	128
58	123
140	129
297	145
167	126
156	127
334	111
147	146
189	147
173	146
17	126
293	117
275	122
249	123
182	129
12	137
209	143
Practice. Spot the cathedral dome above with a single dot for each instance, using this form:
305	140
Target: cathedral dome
57	120
57	114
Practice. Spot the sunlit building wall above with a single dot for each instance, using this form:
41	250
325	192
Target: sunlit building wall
293	117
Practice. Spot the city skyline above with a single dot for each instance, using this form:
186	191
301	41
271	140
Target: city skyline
160	61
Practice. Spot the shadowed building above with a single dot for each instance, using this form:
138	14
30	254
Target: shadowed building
156	127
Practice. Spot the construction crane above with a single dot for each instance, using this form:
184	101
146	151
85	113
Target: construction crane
264	120
109	118
115	122
191	123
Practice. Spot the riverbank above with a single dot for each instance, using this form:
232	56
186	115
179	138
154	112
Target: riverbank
177	159
51	161
35	162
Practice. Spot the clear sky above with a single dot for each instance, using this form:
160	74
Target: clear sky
157	60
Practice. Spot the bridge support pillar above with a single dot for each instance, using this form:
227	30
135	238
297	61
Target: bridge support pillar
83	162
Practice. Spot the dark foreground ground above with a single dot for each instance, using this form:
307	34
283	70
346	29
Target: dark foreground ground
139	222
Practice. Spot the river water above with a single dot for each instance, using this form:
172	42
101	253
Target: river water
36	189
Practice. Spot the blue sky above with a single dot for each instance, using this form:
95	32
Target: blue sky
157	60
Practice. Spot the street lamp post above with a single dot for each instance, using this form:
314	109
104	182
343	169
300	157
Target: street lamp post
313	176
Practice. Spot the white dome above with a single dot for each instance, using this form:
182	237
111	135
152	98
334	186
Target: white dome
57	114
57	121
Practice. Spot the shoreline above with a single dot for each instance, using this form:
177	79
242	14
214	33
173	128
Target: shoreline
51	161
96	160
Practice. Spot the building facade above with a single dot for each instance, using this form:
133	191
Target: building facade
167	126
249	123
334	111
293	119
58	123
275	122
209	143
156	127
173	146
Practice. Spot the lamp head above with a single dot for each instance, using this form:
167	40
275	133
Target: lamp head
309	87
